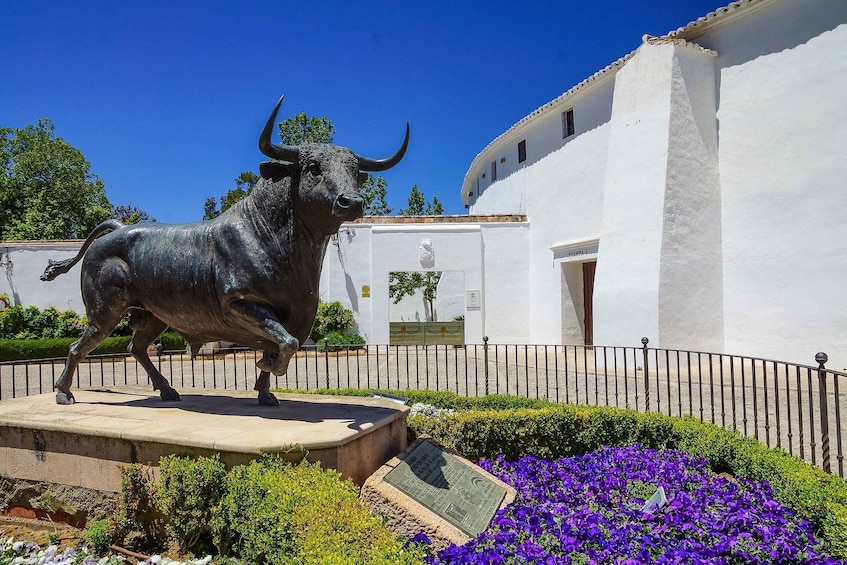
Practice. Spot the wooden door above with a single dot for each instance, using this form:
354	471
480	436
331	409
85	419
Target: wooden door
587	299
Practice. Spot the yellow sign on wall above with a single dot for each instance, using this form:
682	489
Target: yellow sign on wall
366	291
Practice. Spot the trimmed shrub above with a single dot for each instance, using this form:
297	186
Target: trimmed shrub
279	513
189	494
334	341
172	341
20	349
440	399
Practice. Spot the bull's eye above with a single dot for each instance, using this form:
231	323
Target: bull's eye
315	168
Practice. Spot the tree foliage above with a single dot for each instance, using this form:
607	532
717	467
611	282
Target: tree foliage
47	190
375	191
301	128
418	206
244	184
402	284
130	214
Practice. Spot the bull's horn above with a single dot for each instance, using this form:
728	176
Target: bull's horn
372	165
274	151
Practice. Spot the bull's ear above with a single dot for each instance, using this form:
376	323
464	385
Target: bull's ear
273	171
362	179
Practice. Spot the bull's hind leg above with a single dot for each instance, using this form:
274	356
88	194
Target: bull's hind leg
104	284
92	335
147	328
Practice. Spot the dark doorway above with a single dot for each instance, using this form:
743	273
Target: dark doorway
587	297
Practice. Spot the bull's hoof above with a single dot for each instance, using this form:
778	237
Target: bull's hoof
266	398
169	395
65	398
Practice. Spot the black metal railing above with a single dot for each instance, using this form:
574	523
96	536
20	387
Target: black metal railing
787	405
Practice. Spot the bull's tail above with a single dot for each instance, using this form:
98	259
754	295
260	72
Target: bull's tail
56	268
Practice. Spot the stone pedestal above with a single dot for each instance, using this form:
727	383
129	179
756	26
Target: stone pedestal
85	444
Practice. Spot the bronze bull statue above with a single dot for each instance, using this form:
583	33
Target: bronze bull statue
249	276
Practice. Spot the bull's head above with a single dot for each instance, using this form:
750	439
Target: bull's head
329	176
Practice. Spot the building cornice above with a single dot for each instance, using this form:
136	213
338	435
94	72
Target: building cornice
719	17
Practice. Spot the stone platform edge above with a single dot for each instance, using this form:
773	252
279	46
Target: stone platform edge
45	442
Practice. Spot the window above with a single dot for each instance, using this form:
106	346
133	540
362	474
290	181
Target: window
493	171
522	151
567	123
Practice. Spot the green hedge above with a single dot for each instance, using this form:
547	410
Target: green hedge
334	341
21	349
172	341
439	399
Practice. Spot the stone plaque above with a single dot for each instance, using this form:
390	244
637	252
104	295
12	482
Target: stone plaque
448	487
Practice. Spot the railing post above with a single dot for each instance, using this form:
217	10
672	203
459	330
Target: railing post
821	359
326	359
644	342
485	351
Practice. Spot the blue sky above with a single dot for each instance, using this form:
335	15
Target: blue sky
167	99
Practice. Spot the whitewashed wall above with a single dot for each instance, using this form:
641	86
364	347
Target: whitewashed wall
489	257
565	206
21	265
783	163
592	107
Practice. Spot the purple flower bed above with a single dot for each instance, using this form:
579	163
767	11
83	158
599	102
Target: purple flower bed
588	509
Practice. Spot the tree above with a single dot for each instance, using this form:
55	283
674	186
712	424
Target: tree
301	128
130	214
374	192
402	284
47	190
418	206
244	184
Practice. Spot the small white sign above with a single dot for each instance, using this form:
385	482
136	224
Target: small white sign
473	299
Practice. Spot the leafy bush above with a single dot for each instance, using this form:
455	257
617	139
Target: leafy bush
334	341
189	493
269	511
137	522
331	317
20	349
279	513
17	322
172	341
99	534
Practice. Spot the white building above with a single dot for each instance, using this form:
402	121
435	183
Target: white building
705	174
693	192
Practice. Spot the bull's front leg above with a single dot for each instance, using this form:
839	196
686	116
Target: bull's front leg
262	320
